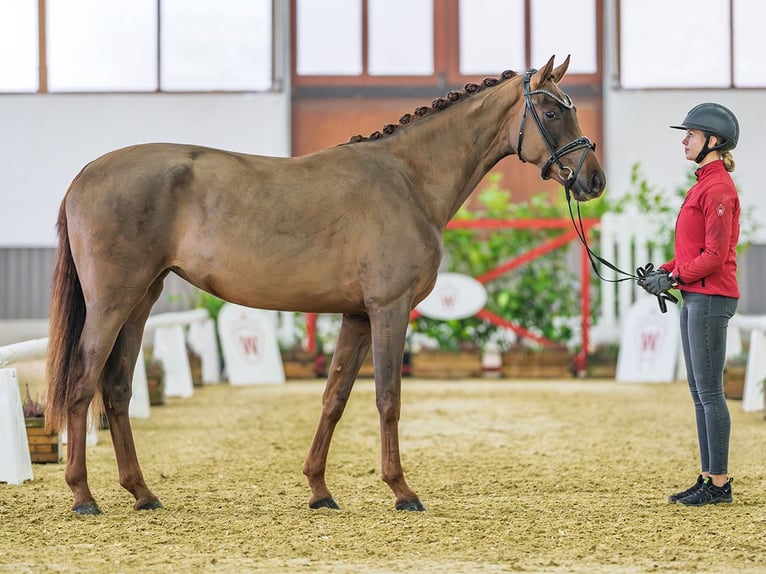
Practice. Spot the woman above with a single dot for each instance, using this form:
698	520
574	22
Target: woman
704	269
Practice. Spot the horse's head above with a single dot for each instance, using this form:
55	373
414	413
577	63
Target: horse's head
550	135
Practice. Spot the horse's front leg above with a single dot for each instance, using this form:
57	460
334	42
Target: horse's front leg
389	328
350	351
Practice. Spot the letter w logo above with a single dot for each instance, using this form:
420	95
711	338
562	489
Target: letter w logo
249	345
448	301
649	342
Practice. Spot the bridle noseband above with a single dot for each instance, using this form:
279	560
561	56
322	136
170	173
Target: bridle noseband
566	173
569	175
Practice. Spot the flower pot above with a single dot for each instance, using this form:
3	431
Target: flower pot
299	364
195	366
734	381
156	386
44	444
523	363
435	364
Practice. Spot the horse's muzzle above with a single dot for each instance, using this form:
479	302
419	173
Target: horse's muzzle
589	187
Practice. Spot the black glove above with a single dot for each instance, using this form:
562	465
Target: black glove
657	282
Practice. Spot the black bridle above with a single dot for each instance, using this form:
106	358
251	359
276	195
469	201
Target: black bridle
566	173
568	177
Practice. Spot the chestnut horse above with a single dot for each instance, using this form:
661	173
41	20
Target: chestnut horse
354	229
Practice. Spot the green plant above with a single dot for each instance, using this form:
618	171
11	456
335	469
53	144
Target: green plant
204	300
535	296
154	368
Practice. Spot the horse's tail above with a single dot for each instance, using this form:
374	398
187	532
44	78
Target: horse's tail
67	317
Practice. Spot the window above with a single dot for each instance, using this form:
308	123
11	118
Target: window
401	46
92	46
18	46
695	44
749	44
335	47
136	46
565	28
482	51
215	45
411	41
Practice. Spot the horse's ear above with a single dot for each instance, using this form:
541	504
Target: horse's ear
560	70
542	75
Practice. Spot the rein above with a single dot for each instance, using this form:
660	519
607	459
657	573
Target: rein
568	176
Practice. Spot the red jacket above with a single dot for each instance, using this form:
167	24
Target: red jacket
707	232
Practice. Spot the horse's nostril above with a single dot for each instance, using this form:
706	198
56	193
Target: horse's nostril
597	183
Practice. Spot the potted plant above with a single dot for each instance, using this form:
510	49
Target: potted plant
155	379
195	366
602	361
734	376
44	443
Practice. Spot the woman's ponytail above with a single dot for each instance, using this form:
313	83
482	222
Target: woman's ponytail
728	160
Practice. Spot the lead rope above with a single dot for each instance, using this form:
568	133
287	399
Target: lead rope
662	298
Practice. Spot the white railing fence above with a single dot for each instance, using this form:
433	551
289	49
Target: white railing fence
625	242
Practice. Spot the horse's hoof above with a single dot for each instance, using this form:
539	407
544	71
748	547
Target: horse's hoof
87	508
413	505
151	505
325	503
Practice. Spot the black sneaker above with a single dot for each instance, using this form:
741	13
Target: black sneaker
684	493
709	494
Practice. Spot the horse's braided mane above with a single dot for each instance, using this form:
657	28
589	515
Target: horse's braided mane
437	105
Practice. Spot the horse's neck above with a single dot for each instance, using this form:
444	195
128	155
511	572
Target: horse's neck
451	151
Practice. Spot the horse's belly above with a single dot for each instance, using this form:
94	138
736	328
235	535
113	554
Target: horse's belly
323	284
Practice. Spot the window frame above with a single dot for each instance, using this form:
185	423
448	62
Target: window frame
731	85
276	83
446	54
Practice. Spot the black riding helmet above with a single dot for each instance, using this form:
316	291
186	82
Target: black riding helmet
712	119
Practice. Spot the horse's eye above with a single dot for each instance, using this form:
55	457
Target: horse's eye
551	115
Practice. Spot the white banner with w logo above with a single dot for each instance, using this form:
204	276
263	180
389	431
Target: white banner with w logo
650	343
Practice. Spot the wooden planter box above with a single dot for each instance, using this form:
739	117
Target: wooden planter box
299	364
367	370
734	382
44	445
537	364
447	365
601	370
195	366
156	386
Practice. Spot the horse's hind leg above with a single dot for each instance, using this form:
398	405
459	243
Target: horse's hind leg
117	391
96	341
350	351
